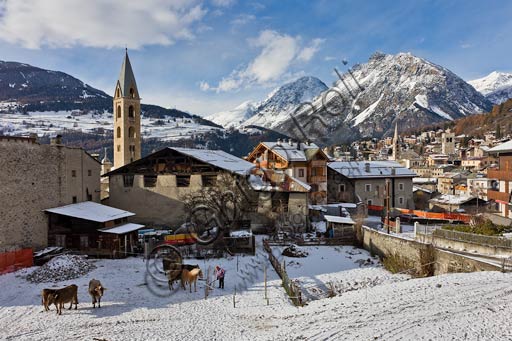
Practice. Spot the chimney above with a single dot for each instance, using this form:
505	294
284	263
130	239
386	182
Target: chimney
367	167
298	145
290	142
278	142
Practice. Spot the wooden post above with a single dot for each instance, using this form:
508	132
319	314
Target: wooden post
265	280
234	298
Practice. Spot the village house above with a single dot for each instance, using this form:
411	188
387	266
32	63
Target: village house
303	161
447	182
35	177
502	194
156	186
366	182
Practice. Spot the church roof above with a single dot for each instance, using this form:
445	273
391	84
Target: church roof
126	78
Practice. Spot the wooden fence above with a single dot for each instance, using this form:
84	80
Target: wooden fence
473	238
348	240
506	265
291	288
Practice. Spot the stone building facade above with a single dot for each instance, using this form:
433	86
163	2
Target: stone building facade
35	177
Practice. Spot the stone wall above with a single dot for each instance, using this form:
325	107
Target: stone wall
36	177
425	259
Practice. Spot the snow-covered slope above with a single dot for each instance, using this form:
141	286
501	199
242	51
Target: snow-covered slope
234	117
281	102
390	88
496	86
463	306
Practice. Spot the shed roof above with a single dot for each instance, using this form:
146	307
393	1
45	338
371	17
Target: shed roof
339	220
89	210
122	229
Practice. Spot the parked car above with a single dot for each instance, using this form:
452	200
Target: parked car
408	218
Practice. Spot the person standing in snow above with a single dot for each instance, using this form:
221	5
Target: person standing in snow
219	274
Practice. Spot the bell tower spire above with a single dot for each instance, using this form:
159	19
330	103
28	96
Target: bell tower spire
127	142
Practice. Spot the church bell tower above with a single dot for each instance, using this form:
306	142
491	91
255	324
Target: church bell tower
126	117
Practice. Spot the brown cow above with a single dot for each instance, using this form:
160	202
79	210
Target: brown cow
96	291
190	277
64	295
45	296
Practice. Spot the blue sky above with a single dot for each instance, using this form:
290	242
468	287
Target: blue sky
208	56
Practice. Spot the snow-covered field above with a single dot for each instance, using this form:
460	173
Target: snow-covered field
51	122
343	268
456	306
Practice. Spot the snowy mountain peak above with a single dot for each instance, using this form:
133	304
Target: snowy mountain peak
388	89
275	108
496	86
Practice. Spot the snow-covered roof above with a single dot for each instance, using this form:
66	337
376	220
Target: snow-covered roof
418	188
424	180
122	229
289	152
240	234
451	199
371	169
218	158
339	220
89	210
264	183
502	148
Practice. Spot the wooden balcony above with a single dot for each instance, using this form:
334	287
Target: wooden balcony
495	195
314	179
318	163
499	174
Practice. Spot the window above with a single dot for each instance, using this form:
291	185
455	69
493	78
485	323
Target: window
368	187
118	111
377	190
60	240
73	173
182	180
118	148
150	180
342	188
75	200
118	132
89	172
209	180
89	197
369	202
131	132
131	112
84	241
128	180
301	173
400	186
132	93
401	200
118	93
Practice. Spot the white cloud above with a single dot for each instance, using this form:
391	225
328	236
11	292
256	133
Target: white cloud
329	58
223	3
106	23
307	53
243	19
278	52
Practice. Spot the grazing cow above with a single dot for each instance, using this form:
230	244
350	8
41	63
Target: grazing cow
189	277
64	295
173	272
96	291
45	296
